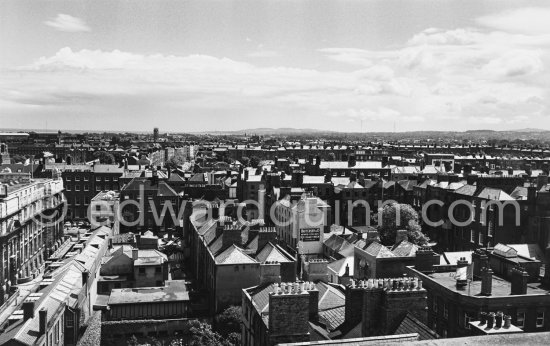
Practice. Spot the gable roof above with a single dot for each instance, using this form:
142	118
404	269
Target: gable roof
234	255
271	252
378	250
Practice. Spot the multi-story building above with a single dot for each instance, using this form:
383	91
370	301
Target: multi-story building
227	256
31	225
82	182
456	297
300	226
52	309
145	205
127	267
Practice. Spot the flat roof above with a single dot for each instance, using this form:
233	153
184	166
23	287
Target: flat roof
175	290
500	287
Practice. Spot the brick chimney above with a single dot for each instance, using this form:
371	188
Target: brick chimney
486	281
313	300
232	235
43	321
407	296
519	281
316	270
270	272
266	235
289	314
354	302
425	259
135	254
28	310
479	261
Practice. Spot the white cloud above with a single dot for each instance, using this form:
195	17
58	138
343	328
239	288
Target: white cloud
264	54
531	20
67	23
438	78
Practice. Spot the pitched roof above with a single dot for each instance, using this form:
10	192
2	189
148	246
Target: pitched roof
378	250
234	255
404	249
271	252
411	324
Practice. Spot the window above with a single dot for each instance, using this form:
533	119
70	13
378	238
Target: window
68	178
77	187
68	188
521	319
540	319
435	305
158	270
86	178
86	187
480	238
77	178
467	320
141	270
69	321
97	178
445	310
472	236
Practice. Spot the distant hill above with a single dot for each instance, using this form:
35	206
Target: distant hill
272	131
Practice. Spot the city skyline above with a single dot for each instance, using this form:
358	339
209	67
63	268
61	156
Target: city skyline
343	66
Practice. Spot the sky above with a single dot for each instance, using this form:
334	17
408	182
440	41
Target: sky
203	65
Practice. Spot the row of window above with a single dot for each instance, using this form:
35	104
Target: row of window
86	178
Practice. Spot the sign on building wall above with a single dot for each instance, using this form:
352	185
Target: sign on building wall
310	234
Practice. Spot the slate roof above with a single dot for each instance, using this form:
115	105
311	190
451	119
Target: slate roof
234	255
411	324
494	194
378	250
345	165
466	190
339	266
271	252
404	249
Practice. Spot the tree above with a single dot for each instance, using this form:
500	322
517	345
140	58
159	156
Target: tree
104	157
245	161
175	161
254	161
203	335
408	219
331	157
229	321
18	158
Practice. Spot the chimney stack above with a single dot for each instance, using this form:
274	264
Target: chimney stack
486	281
425	259
135	254
289	313
479	261
43	321
519	281
270	272
316	270
28	310
461	273
313	300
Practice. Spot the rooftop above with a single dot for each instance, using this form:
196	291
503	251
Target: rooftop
173	291
500	287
